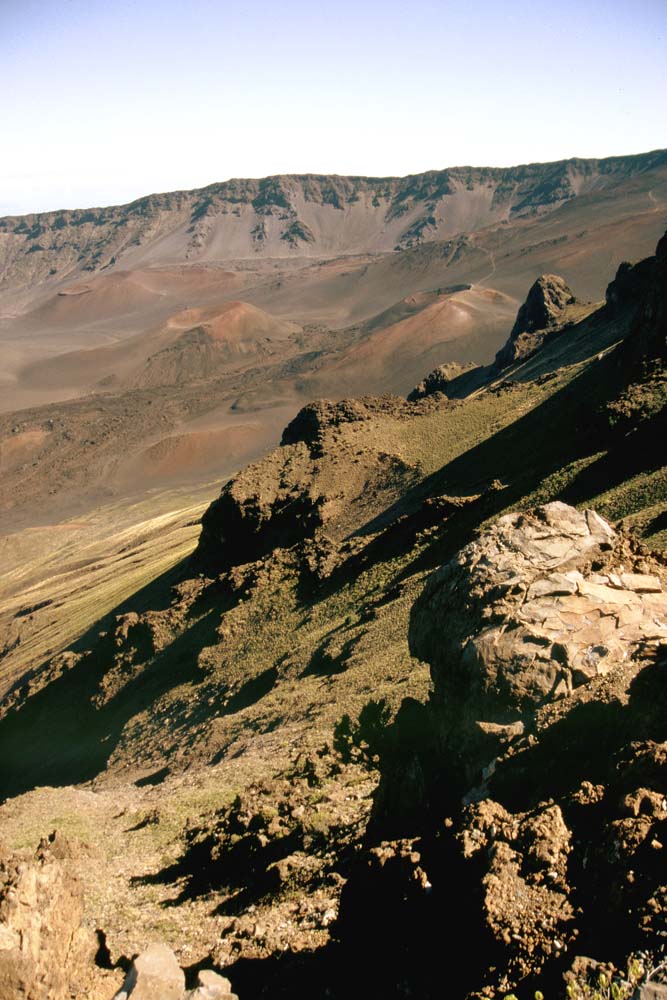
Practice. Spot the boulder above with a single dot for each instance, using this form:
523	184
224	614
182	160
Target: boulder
542	312
154	975
212	986
535	606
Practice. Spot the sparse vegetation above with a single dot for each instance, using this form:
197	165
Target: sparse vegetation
192	720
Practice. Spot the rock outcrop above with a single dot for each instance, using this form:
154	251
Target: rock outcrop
45	951
538	604
542	312
649	336
642	404
438	380
291	494
272	503
641	287
310	423
525	898
48	953
530	791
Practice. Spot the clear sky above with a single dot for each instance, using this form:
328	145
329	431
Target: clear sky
106	100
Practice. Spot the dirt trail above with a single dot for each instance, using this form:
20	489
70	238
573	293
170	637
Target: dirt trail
492	258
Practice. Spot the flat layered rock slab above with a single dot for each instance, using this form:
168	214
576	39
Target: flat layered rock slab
521	616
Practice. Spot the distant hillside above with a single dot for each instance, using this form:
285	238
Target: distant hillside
298	215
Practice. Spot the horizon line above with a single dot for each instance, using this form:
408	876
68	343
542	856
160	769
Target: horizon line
352	177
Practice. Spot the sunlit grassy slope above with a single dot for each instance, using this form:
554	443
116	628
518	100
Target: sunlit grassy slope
57	580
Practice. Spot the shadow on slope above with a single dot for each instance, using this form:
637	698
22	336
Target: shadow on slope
66	732
293	975
538	455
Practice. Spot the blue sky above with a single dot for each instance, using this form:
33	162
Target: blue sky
106	101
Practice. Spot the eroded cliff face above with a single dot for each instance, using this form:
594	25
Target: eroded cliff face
295	215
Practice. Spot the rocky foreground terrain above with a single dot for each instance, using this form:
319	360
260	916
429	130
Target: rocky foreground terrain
397	726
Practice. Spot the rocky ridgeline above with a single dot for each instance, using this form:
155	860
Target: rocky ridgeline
311	422
642	287
439	380
410	210
638	287
308	483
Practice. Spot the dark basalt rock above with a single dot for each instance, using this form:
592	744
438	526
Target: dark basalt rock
541	312
310	422
645	282
438	380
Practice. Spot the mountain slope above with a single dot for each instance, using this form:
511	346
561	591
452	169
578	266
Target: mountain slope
226	728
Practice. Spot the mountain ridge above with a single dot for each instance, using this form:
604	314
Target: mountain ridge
297	215
659	153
